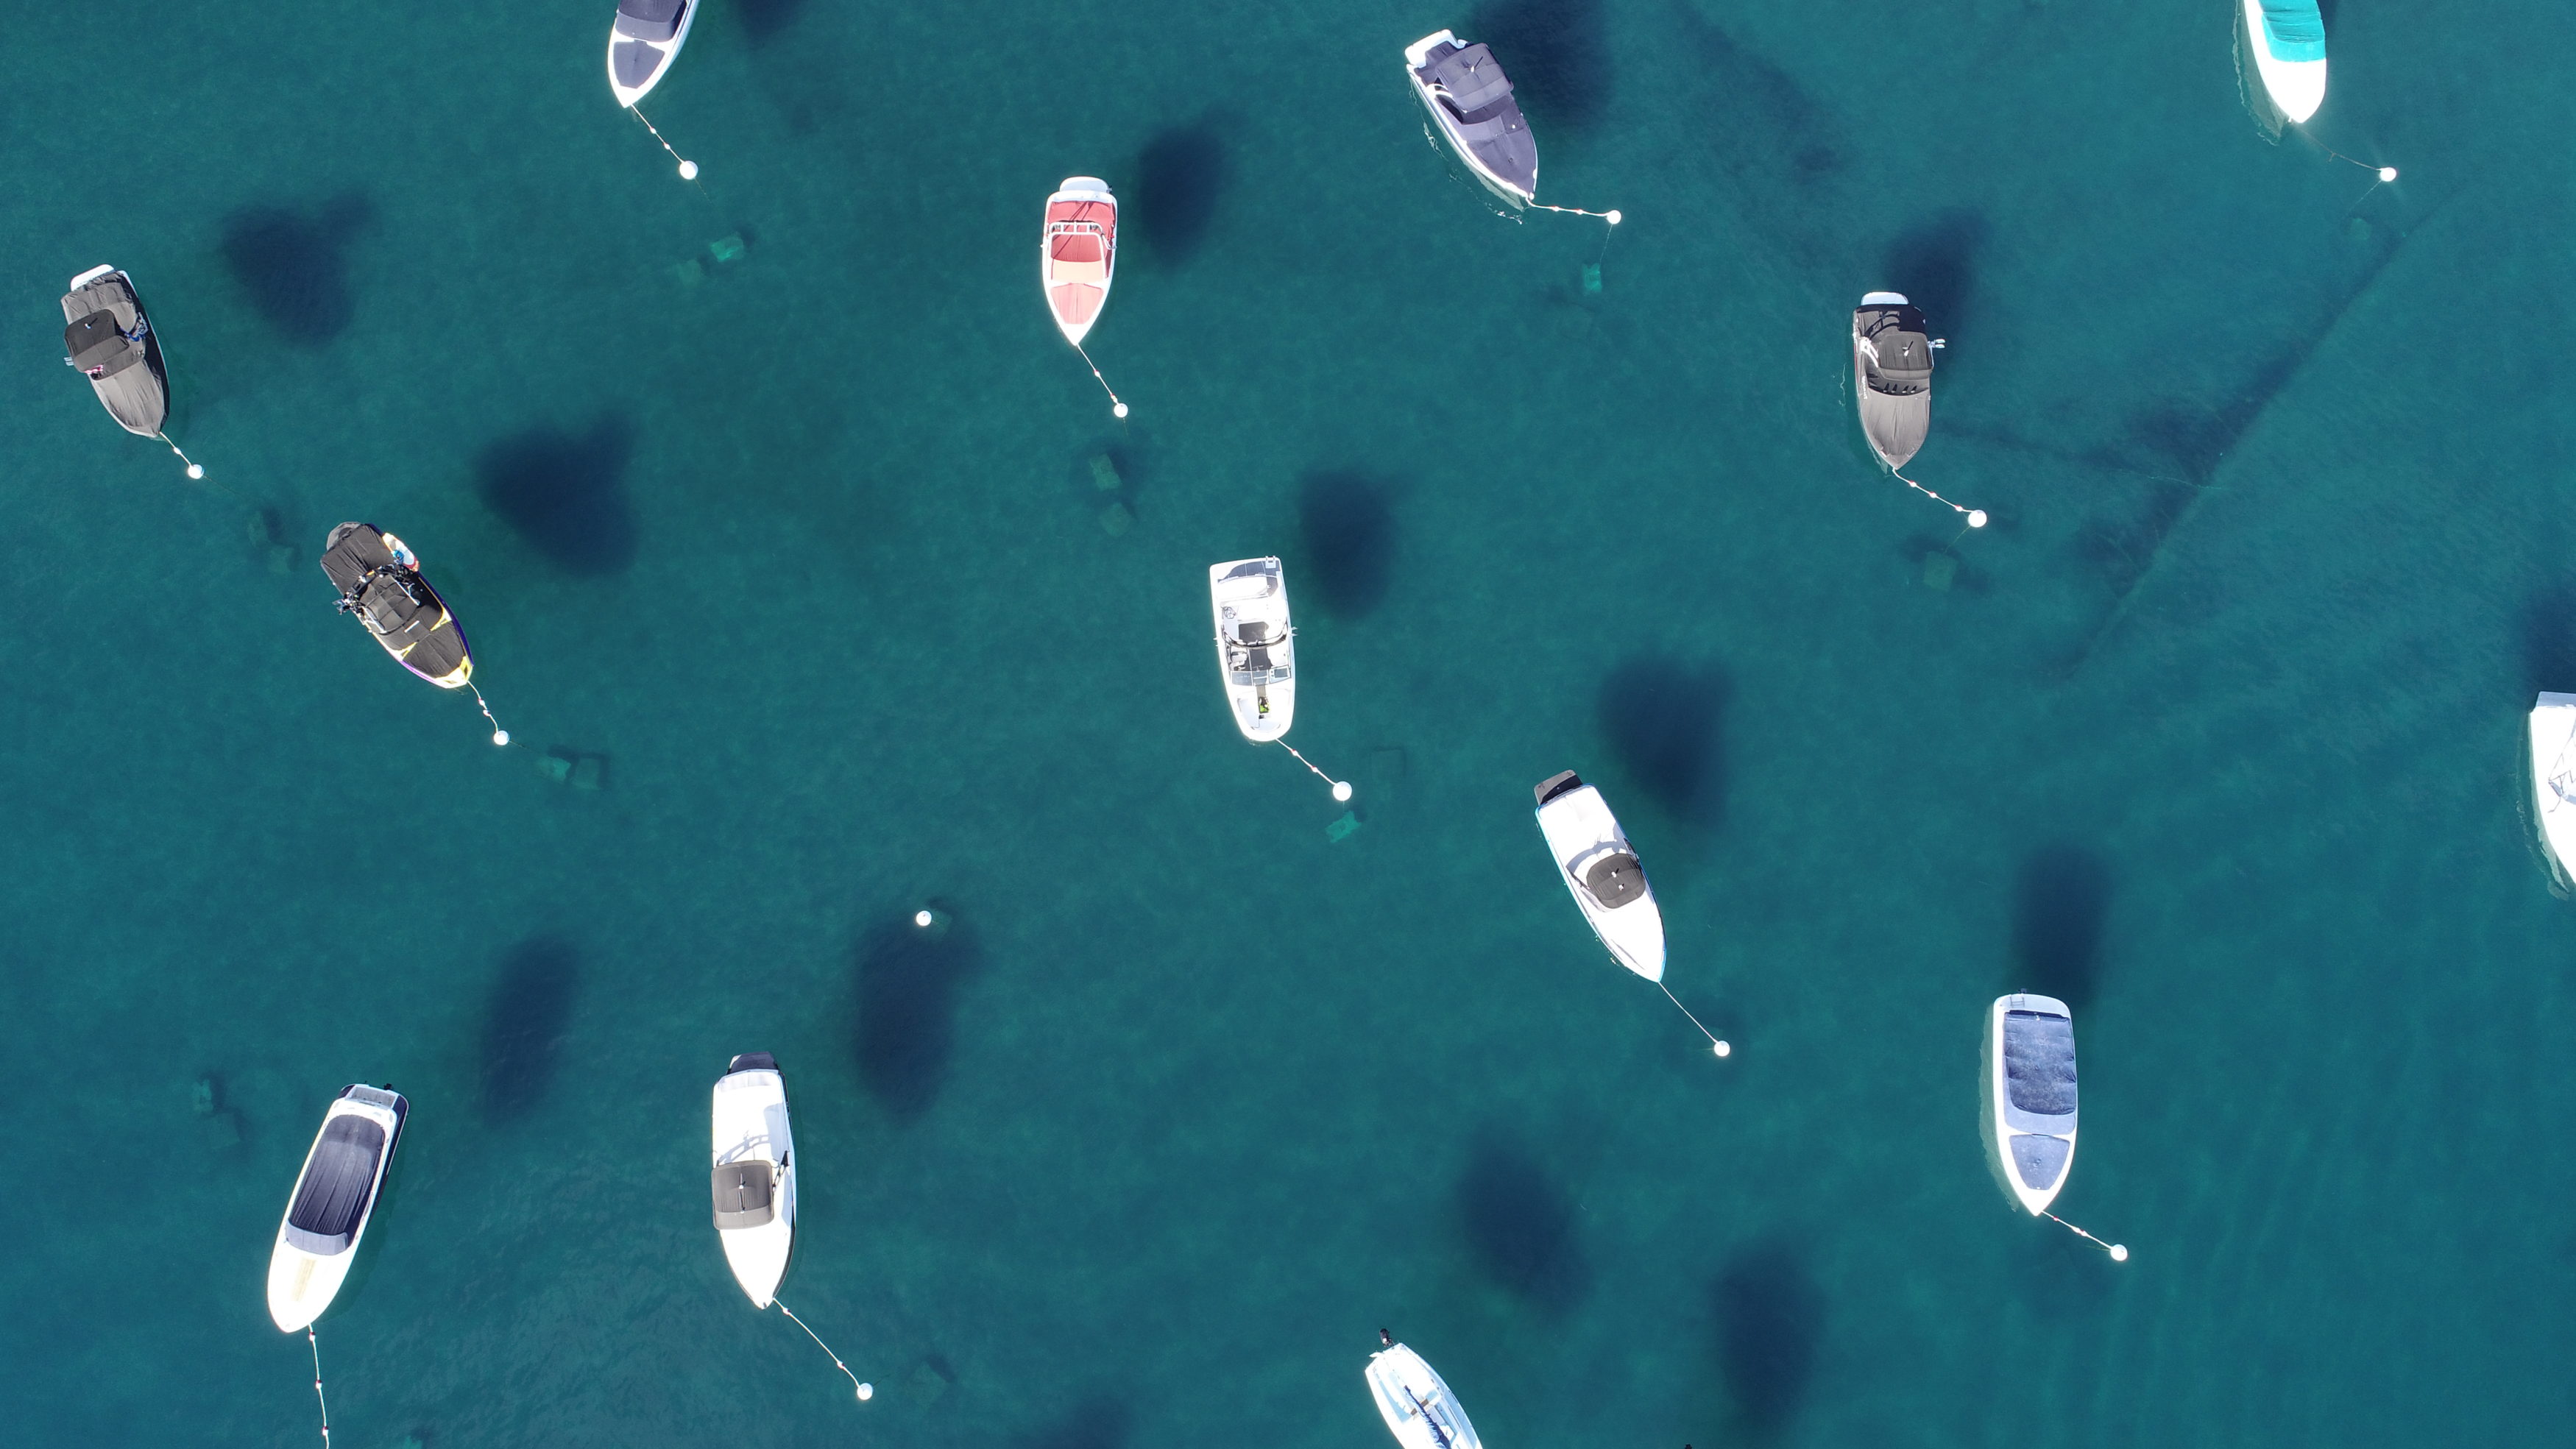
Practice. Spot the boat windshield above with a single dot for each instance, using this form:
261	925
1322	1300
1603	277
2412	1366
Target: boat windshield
2294	29
1615	880
331	1198
650	19
2039	1063
744	1197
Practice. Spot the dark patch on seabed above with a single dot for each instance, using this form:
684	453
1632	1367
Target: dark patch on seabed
1347	522
525	1017
2197	438
1780	149
1934	266
2548	629
1181	175
909	981
1519	1225
2061	905
565	493
1665	723
294	266
1100	1423
1554	53
763	20
1770	1322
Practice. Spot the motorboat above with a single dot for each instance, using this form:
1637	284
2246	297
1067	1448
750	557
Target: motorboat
1078	253
108	338
1892	375
379	581
643	42
755	1174
2553	778
2288	41
1415	1401
1602	871
1470	100
1256	645
2029	1116
335	1197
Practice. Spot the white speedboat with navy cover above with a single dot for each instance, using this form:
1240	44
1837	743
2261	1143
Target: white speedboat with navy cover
755	1174
335	1196
643	42
2553	778
1602	871
1256	647
1470	100
1419	1409
2029	1116
1892	375
2288	39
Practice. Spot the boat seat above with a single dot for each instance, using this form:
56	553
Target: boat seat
1471	78
1075	246
1091	270
745	1195
1615	879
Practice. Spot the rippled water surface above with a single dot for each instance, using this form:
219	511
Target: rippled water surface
771	506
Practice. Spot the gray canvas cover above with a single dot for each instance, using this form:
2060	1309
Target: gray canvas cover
1615	880
1557	784
1903	360
2039	1161
98	347
2039	1063
1482	116
331	1197
650	19
137	397
636	63
743	1194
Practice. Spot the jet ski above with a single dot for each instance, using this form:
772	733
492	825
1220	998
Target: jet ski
334	1198
755	1174
379	581
642	44
108	339
1602	871
2288	39
1892	375
2029	1116
1464	89
1256	647
1415	1401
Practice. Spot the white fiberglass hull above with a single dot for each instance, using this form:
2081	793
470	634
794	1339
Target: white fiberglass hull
1416	1403
1256	648
662	54
750	1128
305	1273
1581	832
2001	1123
2553	778
2297	87
1078	254
1415	56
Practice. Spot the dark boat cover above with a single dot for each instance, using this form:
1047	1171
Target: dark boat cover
331	1197
395	603
1895	360
1615	880
1558	784
752	1062
106	334
2039	1160
2039	1063
1469	86
650	19
743	1194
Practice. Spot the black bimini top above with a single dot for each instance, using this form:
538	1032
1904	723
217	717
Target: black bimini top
331	1198
1468	83
1902	365
395	603
743	1198
1615	880
2039	1063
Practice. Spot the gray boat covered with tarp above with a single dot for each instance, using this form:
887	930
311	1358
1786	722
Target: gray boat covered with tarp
379	581
1469	97
2030	1108
1892	375
108	339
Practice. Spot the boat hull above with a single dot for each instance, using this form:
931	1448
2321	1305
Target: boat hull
1078	254
2018	1141
1896	423
1516	190
2295	88
421	634
1414	1400
137	394
2553	780
1260	676
750	1126
1581	833
637	64
302	1282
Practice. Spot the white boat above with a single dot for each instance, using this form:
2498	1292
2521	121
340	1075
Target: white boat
643	42
334	1197
1419	1409
1469	98
755	1174
2288	39
2553	777
2029	1111
1078	253
1256	647
1892	375
1602	872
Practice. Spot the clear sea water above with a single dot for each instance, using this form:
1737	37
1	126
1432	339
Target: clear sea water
798	558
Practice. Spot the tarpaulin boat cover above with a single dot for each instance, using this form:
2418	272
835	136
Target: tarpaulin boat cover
650	19
331	1197
2039	1063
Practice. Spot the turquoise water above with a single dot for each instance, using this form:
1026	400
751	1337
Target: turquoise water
2215	733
